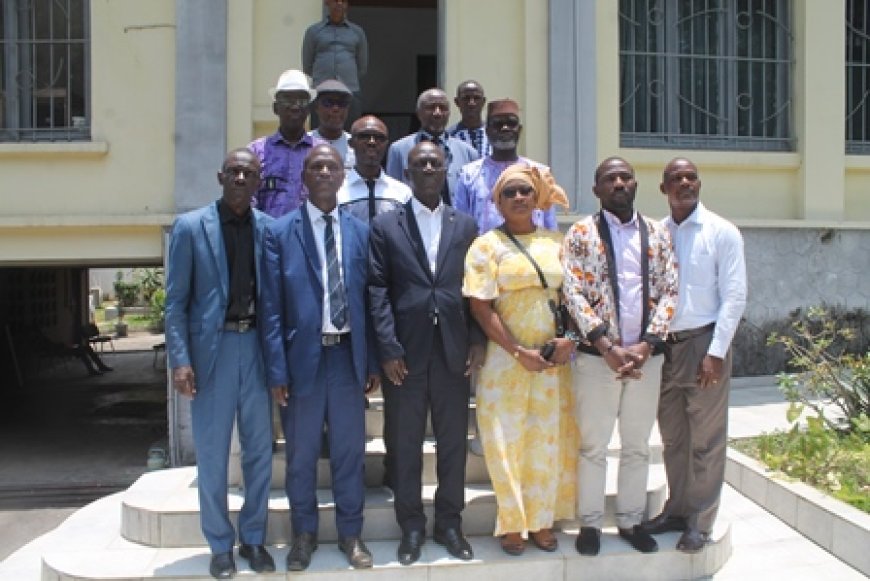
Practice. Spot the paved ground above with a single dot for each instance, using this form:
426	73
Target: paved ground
764	547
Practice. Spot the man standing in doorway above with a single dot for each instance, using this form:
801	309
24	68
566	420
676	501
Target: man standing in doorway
282	153
336	48
212	303
621	288
433	111
696	376
470	100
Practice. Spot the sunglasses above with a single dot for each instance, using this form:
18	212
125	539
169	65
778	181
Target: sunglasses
299	103
511	193
330	102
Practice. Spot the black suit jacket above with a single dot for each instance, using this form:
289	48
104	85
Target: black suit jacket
406	299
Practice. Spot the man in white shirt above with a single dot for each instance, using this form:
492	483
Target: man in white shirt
367	190
693	407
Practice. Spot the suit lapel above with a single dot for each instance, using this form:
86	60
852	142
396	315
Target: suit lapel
305	235
448	223
412	231
211	226
348	245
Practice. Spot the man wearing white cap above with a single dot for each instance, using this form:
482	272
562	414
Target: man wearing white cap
283	153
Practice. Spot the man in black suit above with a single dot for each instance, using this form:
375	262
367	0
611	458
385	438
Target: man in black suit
417	256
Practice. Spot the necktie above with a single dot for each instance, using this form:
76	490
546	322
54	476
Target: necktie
337	300
372	208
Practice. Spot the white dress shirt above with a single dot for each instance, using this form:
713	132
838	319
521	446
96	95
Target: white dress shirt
386	188
709	254
629	276
318	224
429	224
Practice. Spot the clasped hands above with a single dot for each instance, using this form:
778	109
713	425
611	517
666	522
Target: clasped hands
627	362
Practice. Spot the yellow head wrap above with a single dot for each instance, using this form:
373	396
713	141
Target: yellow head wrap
540	179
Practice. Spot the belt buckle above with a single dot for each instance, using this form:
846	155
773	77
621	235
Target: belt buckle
330	339
245	325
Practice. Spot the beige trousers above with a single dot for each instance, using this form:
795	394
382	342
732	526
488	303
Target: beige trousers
601	400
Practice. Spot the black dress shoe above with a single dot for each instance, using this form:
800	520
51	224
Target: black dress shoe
299	556
409	548
692	541
589	541
222	566
358	554
663	523
258	558
455	543
639	539
105	367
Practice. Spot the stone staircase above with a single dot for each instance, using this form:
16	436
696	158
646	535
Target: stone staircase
155	534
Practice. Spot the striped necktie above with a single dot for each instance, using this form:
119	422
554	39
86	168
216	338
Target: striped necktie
337	299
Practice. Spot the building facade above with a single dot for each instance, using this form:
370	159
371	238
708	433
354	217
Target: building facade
115	115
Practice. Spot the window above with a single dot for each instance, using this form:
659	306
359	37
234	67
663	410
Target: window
857	76
44	70
706	74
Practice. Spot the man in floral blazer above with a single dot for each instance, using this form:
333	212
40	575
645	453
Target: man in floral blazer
621	289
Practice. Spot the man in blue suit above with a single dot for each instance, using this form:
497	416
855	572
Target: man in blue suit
212	303
316	330
433	111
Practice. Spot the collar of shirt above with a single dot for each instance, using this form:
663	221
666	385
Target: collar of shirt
315	213
420	209
615	223
328	22
424	135
307	139
353	177
227	216
696	217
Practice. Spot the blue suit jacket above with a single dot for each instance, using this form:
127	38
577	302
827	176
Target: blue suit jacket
397	158
292	307
197	288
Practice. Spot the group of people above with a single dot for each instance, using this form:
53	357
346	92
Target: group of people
319	277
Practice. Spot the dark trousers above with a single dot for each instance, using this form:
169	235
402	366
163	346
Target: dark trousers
694	427
407	406
338	400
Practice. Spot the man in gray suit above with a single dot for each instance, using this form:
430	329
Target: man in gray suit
433	111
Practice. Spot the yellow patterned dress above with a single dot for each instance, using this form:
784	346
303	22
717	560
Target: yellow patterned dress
526	420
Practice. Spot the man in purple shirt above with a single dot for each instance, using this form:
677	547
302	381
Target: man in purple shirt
282	154
474	187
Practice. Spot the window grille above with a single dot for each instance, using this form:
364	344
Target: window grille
706	74
857	76
44	70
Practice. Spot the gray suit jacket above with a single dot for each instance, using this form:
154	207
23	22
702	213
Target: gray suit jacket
460	152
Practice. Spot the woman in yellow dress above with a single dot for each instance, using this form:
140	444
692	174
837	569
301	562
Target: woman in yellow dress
524	401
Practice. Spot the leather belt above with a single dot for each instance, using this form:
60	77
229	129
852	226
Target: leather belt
331	339
680	336
242	326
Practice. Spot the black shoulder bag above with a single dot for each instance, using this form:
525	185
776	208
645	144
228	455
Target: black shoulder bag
560	312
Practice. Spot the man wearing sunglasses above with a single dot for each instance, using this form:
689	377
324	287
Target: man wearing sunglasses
282	154
473	194
330	109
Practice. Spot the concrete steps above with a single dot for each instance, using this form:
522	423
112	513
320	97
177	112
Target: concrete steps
161	509
120	561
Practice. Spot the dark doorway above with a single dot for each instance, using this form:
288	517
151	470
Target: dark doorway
403	57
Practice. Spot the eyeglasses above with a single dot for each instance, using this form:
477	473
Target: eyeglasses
511	193
498	123
366	137
299	102
330	102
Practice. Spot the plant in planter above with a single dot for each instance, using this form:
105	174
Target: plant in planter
832	452
157	316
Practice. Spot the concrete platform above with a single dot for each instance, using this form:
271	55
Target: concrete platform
161	509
